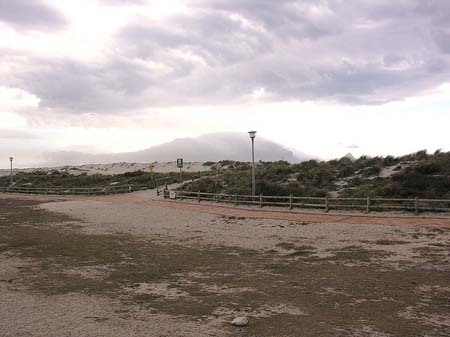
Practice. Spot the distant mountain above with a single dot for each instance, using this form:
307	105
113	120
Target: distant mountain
209	147
349	156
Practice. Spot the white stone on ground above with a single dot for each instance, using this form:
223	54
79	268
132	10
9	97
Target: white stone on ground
240	321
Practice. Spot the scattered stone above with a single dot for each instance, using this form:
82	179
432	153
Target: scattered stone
240	321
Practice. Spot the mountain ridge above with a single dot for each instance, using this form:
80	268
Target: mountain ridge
207	147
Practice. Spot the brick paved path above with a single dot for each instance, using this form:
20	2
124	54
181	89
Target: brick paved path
382	219
225	210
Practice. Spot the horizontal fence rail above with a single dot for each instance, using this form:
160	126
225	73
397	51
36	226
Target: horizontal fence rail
73	190
326	204
103	190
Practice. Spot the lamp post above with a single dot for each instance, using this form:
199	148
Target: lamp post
10	172
252	135
217	176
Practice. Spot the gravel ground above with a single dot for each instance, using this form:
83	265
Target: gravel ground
26	314
196	228
133	266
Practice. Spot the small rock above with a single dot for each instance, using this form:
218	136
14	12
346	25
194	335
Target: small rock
240	321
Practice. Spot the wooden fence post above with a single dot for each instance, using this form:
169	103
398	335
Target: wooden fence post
228	198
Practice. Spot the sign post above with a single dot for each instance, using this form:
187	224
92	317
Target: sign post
180	166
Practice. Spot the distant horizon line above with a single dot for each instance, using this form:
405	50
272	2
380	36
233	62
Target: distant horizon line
46	166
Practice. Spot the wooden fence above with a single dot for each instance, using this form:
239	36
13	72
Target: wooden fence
326	204
103	190
73	190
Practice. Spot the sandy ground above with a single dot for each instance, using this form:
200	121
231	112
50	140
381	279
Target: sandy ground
193	228
290	276
116	168
27	314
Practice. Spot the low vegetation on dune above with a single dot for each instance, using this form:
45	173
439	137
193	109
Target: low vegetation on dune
57	178
418	174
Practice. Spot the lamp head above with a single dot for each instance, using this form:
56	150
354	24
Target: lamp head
252	134
11	158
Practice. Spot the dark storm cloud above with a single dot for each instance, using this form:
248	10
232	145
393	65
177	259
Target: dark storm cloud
30	14
284	18
220	52
73	86
214	36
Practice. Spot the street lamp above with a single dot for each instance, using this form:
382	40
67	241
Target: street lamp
217	176
252	135
10	173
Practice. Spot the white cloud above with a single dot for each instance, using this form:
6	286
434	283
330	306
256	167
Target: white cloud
11	98
314	75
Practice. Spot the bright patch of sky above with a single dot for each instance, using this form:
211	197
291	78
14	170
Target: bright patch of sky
319	77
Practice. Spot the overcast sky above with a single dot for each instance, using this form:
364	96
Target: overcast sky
324	77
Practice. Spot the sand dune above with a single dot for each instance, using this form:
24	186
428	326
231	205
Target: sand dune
116	168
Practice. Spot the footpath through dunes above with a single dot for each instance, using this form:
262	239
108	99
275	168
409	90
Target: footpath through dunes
150	198
297	216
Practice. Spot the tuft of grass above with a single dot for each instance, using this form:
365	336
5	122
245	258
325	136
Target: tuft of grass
391	242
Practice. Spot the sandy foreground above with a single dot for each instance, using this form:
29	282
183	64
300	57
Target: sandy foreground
132	266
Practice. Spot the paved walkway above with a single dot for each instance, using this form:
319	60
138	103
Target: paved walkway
295	215
150	198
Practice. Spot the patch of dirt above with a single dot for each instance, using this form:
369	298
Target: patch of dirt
164	290
390	242
137	273
264	311
89	272
365	331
